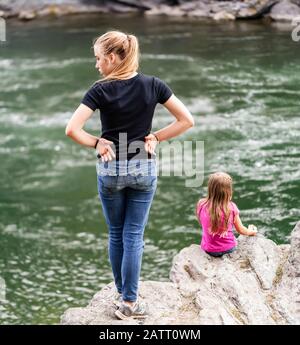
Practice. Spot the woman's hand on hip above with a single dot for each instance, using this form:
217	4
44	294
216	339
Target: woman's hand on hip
104	149
150	143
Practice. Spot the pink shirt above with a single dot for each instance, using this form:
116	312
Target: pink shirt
216	243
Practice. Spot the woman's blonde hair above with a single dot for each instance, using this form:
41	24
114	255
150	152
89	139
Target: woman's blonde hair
126	46
218	199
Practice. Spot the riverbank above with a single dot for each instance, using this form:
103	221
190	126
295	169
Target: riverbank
270	10
257	284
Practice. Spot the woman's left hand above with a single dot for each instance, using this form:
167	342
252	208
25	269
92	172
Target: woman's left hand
150	143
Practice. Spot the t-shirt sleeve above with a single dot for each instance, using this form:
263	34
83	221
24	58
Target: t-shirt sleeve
199	206
92	98
163	91
235	210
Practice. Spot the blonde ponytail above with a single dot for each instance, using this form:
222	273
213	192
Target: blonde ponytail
126	47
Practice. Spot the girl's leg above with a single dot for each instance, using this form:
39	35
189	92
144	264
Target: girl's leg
217	254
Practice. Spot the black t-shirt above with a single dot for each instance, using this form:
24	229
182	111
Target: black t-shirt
126	110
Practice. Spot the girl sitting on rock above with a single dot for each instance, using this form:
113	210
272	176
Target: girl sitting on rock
217	214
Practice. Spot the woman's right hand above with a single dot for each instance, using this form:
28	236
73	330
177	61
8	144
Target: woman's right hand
150	143
104	149
252	230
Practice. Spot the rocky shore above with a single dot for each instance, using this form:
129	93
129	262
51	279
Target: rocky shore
258	284
275	10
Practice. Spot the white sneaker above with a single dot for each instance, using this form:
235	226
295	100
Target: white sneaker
138	311
117	301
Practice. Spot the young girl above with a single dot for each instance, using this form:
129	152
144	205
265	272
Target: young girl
126	174
217	214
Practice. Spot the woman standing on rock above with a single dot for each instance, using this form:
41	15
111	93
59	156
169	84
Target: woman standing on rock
126	173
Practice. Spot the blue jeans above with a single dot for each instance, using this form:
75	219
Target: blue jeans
217	254
126	190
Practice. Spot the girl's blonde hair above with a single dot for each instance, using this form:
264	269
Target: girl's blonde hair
126	46
218	199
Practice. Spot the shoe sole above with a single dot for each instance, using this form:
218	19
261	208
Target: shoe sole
121	316
117	304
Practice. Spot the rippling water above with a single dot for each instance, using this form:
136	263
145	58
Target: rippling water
240	81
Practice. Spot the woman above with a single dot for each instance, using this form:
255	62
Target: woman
126	174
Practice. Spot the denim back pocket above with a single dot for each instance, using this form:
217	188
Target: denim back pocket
145	167
145	183
107	184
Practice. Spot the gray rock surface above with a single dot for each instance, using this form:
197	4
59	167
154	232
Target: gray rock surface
287	283
285	11
259	283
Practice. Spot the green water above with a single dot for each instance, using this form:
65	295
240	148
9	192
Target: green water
240	81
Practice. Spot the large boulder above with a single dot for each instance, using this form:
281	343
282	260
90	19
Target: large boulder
285	11
257	284
286	289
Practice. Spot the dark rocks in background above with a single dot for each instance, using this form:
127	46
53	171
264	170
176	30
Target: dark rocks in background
257	11
26	10
218	10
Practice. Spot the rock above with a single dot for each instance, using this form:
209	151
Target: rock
226	288
119	8
55	10
216	9
255	10
223	15
284	11
42	8
166	10
139	5
199	13
287	281
259	283
190	6
247	12
27	15
263	256
196	9
165	307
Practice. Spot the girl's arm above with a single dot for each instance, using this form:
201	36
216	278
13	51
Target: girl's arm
197	206
184	119
241	229
74	130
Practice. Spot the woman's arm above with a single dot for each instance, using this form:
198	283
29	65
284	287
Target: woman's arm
74	130
74	127
184	119
241	229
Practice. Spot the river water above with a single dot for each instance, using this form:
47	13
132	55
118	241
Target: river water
239	80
